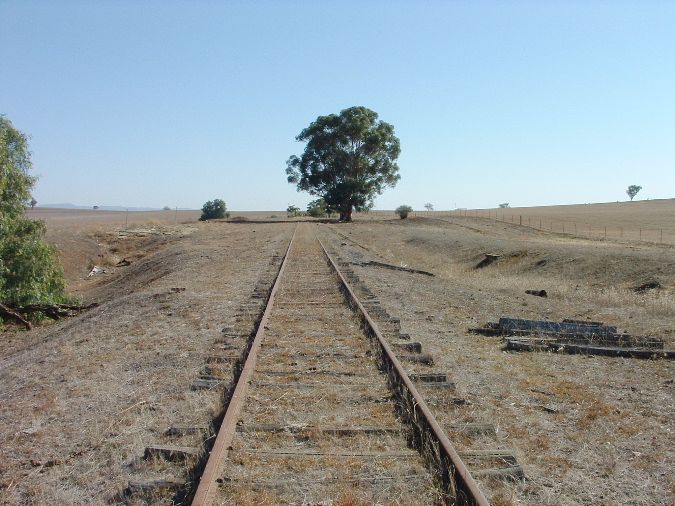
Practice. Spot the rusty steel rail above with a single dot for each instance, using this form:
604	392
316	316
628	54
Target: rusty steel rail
228	427
458	484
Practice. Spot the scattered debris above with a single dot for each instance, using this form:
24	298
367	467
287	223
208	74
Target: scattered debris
573	336
177	289
538	293
393	267
53	311
489	259
123	263
7	312
649	285
96	270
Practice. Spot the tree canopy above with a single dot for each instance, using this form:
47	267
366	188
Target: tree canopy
403	211
348	160
29	269
633	190
213	210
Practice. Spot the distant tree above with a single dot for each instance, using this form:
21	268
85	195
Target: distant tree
504	205
292	211
29	269
633	190
166	208
317	208
213	210
33	203
348	160
429	206
95	208
403	211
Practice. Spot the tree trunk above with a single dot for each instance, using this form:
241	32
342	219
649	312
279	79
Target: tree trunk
346	214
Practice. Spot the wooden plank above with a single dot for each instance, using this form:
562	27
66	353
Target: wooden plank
334	431
510	473
205	384
148	486
414	347
423	358
430	377
294	452
178	430
172	453
550	326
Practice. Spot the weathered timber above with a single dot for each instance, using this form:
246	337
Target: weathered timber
205	384
149	486
294	452
422	358
609	351
7	312
510	473
431	377
414	347
374	263
178	430
334	431
172	453
549	326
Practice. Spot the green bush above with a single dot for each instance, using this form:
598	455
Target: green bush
403	211
213	210
29	268
317	208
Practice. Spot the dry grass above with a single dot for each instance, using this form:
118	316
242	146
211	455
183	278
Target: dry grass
84	397
588	430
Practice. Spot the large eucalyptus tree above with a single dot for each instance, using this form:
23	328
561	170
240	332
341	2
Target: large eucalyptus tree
348	160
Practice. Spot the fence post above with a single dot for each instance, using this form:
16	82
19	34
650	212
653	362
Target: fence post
640	234
521	220
575	229
661	235
563	225
605	233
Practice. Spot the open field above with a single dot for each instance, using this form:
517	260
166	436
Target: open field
82	398
646	220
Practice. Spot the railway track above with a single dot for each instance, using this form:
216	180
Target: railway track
323	411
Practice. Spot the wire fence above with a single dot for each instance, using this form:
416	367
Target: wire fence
577	228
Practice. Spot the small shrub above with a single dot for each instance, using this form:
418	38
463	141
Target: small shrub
403	211
317	208
213	210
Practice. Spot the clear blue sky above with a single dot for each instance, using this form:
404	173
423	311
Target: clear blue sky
142	103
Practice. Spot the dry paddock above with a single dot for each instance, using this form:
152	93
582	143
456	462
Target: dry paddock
587	430
81	399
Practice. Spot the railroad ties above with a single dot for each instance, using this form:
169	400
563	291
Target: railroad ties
160	473
574	337
317	421
317	404
482	454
